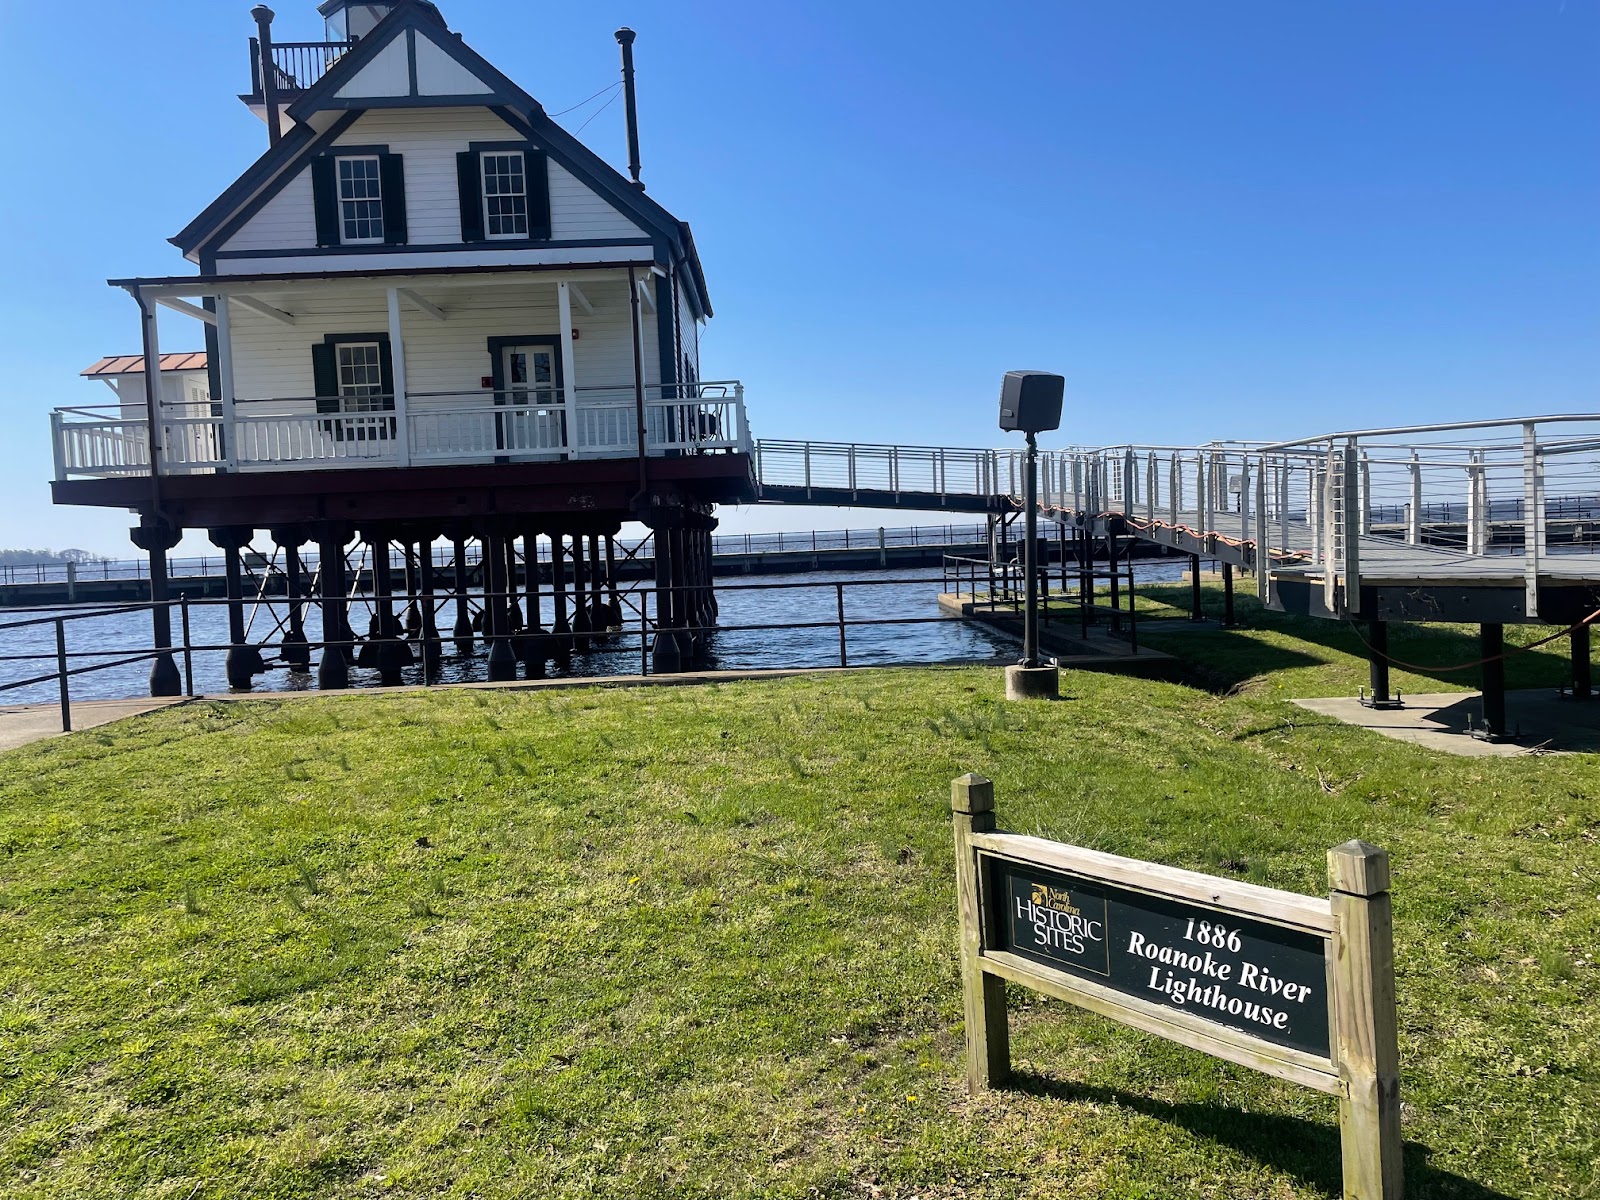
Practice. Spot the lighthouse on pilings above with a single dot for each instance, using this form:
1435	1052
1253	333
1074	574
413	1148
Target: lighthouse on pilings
438	330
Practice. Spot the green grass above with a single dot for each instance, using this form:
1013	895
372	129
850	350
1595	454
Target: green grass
700	942
1272	654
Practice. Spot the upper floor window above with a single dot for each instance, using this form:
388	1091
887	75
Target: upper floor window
359	196
360	200
505	195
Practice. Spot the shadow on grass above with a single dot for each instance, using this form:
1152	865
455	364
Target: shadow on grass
1224	662
1219	660
1308	1150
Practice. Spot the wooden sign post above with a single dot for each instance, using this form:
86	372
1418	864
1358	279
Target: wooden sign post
1299	987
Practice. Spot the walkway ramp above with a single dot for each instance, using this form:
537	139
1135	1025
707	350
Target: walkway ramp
1452	521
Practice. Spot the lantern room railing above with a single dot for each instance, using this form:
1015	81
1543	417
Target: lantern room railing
297	65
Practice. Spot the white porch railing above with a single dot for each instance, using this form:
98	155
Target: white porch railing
289	434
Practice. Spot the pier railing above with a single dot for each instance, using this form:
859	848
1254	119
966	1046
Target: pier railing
1323	505
836	471
784	542
638	623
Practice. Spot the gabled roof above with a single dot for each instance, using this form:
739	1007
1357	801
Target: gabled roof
409	26
413	23
133	364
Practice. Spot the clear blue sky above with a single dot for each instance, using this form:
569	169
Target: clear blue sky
1235	218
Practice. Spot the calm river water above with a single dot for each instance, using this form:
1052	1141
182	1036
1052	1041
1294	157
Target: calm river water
885	594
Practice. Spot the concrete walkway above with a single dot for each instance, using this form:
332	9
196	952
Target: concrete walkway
1546	722
24	723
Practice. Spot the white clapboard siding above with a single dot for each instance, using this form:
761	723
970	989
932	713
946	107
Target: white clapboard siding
429	139
286	222
577	211
688	331
273	360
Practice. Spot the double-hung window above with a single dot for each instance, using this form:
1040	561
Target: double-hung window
360	366
360	200
359	197
505	194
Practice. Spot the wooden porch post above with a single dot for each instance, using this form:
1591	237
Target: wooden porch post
230	445
151	328
397	352
569	373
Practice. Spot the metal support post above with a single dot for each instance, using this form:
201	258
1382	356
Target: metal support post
333	670
1378	667
462	630
1492	648
1030	557
502	661
294	651
1582	667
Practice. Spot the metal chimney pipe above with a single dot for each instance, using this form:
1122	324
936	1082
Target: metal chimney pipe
625	38
269	73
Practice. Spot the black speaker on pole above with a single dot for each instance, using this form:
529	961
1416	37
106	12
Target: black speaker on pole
1030	401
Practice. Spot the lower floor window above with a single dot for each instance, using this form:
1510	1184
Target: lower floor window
361	377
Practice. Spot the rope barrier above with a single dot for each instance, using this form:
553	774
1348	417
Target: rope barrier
1477	662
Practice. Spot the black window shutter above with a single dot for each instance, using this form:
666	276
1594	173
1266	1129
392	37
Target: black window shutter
386	372
325	199
392	177
326	376
470	181
538	168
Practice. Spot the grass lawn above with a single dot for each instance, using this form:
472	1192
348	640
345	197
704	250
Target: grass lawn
701	942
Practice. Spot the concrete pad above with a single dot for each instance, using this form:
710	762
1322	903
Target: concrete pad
1548	724
25	723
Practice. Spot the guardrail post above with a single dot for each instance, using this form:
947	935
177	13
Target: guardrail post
983	996
1533	532
58	447
1365	1024
1354	518
1263	553
188	646
61	674
844	660
1414	513
1366	493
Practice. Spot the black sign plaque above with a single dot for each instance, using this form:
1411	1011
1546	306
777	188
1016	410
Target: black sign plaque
1251	975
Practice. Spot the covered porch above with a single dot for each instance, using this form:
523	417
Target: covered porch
492	364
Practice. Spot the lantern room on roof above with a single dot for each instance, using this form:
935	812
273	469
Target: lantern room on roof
423	269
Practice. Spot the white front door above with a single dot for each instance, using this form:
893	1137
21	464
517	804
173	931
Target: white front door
529	377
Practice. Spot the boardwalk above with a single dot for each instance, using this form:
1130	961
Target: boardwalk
1348	521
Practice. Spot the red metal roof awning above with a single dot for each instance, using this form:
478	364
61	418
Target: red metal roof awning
133	364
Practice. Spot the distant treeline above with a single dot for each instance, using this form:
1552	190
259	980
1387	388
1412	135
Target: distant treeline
33	558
